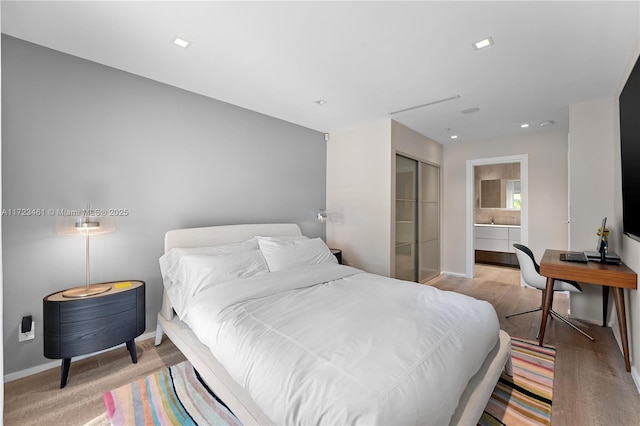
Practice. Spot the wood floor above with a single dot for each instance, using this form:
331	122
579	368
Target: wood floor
591	385
38	400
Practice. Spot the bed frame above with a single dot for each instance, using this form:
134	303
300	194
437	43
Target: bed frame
470	407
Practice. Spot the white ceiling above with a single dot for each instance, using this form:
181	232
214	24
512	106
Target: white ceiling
366	59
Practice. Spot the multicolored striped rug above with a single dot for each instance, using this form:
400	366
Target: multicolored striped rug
525	398
171	396
177	396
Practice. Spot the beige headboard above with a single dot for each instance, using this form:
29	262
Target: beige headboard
218	235
226	234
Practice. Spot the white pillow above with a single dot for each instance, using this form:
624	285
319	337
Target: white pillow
169	262
197	272
295	254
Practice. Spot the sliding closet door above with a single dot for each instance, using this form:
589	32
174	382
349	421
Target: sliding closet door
417	256
429	223
406	258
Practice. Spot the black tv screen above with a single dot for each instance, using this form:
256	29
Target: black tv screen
630	152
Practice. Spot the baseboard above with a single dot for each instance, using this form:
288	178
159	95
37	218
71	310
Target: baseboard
636	377
453	274
56	364
591	321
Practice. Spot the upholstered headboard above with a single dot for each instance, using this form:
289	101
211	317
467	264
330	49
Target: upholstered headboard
226	234
218	235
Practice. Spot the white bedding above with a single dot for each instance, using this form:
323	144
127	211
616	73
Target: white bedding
330	344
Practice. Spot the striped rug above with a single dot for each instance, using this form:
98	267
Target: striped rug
177	396
525	398
171	396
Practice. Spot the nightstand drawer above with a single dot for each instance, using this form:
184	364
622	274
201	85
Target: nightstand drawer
91	308
78	338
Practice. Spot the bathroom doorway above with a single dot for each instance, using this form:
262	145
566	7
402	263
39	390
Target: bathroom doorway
497	220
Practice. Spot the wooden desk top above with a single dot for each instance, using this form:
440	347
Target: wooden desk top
592	272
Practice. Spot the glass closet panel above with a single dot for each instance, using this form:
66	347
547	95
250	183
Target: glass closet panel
406	259
429	223
417	245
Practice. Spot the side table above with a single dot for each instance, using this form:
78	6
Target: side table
79	326
338	254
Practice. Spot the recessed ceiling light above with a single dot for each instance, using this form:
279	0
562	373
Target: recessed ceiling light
454	136
481	44
321	102
470	110
524	126
181	42
547	123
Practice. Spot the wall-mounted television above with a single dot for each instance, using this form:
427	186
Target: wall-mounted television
630	152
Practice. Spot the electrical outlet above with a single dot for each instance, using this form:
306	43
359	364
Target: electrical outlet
29	335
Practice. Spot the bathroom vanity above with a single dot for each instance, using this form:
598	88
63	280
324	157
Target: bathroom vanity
493	244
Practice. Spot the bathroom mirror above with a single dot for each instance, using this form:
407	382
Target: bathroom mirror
500	194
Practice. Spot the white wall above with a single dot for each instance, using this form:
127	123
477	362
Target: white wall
596	192
1	274
591	187
409	142
547	161
628	248
358	195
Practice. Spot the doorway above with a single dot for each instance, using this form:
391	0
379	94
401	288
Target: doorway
472	197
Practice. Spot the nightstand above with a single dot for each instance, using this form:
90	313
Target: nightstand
79	326
338	254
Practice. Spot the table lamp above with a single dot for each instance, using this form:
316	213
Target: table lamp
85	225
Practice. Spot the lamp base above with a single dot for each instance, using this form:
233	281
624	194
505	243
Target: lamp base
84	291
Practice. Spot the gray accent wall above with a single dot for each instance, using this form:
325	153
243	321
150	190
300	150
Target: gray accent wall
76	132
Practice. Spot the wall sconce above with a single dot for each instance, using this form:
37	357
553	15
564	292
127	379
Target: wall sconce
86	224
322	216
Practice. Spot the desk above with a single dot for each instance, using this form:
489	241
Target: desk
616	277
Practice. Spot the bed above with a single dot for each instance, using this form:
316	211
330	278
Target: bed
233	303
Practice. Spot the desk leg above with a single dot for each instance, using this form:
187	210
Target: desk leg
548	301
605	304
618	297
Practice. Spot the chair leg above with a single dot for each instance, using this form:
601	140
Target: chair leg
566	321
552	314
525	312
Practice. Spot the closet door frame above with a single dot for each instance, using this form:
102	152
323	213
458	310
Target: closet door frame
421	204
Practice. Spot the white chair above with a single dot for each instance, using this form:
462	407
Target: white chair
531	273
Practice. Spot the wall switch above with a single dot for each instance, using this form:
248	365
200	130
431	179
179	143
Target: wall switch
28	335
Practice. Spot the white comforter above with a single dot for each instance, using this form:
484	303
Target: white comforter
330	344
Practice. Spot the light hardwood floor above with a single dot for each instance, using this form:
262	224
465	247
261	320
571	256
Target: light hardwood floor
38	400
591	386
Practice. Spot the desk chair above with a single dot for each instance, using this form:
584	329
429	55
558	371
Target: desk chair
531	273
